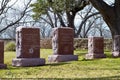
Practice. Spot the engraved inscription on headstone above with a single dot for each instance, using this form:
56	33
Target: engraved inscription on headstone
95	48
62	41
62	45
28	43
28	47
31	50
98	45
95	45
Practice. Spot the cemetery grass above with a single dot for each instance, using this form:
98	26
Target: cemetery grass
100	69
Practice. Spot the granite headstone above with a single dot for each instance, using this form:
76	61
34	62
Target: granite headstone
2	65
62	44
28	47
95	48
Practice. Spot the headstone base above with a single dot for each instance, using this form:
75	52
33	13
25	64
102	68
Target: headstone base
95	56
62	58
3	66
28	62
116	54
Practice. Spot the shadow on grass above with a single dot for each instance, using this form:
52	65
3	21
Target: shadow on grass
15	68
48	64
81	54
109	55
57	64
99	78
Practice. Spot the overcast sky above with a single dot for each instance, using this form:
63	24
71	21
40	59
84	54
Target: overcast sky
109	1
19	3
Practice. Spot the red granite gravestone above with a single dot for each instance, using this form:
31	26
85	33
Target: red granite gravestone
2	65
62	44
116	46
95	48
28	47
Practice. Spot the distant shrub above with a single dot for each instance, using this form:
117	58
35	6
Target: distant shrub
10	46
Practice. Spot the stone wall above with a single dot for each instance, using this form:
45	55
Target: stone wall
108	44
78	43
46	43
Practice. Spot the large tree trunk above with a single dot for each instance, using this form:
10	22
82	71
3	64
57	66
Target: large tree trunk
70	18
111	15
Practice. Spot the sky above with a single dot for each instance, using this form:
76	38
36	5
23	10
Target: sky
109	1
19	3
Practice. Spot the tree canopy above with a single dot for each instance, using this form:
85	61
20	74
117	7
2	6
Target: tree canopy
58	6
63	12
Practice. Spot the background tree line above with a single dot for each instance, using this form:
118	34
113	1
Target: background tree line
47	14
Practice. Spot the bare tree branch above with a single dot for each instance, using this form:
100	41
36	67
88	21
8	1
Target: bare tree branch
80	27
15	22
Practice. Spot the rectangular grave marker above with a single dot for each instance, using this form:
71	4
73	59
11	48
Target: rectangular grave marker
28	43
95	48
2	65
28	47
62	44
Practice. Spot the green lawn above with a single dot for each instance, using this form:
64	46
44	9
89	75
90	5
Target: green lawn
98	69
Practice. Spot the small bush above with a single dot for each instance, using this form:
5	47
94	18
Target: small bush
10	46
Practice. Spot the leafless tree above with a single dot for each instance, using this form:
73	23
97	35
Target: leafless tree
11	15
